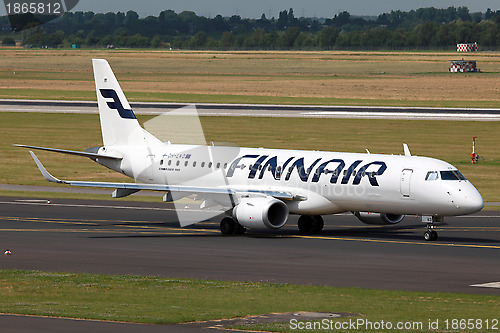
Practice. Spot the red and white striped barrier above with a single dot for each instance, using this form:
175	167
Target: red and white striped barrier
467	47
463	66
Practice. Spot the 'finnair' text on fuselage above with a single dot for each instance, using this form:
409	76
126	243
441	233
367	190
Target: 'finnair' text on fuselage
264	163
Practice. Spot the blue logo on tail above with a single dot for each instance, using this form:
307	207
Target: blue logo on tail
116	104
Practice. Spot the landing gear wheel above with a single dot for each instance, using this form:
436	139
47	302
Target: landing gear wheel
310	224
239	229
318	224
227	226
430	235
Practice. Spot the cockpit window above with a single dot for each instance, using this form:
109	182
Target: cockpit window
452	175
432	175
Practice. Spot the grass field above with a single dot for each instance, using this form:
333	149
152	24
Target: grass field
348	78
167	300
450	141
342	78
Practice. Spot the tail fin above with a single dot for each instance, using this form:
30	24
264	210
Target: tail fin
119	125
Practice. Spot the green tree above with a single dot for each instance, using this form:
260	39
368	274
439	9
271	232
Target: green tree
287	39
425	33
53	40
304	41
255	39
198	40
91	39
328	37
227	40
7	41
156	42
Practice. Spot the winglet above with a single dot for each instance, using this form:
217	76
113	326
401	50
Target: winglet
406	149
44	171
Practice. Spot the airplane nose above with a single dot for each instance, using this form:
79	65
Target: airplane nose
477	203
471	202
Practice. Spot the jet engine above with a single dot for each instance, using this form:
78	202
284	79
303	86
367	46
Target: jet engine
261	213
378	218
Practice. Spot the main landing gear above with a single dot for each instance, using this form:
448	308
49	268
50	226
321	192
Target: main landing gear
229	226
310	224
430	234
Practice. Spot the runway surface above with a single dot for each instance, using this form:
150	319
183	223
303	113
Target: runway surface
114	237
144	239
235	110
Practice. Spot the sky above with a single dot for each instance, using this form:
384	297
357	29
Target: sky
255	8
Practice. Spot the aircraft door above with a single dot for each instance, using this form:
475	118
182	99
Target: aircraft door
150	167
405	182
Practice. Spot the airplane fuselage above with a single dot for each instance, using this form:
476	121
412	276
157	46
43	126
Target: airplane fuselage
329	182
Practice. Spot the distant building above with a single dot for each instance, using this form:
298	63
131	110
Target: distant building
75	46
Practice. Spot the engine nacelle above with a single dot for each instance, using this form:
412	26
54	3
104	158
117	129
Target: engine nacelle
261	213
378	218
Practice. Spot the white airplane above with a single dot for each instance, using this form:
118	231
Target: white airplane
259	188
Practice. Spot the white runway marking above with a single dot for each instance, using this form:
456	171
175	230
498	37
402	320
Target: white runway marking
399	115
33	200
487	285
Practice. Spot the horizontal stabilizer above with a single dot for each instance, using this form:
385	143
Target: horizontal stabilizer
93	156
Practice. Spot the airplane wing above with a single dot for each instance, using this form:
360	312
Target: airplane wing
124	189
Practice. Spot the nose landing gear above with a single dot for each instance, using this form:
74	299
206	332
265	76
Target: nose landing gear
430	234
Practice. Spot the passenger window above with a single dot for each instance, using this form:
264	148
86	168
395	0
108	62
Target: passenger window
218	165
161	162
178	162
202	164
225	165
194	164
210	164
186	163
432	175
169	162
